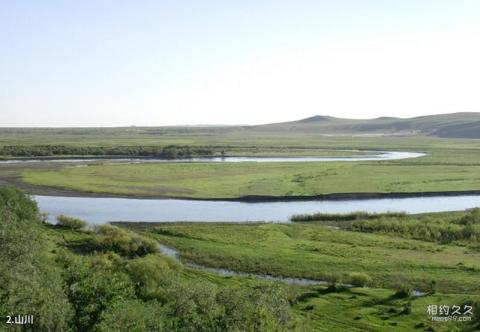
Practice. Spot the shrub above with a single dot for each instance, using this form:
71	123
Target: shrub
29	282
70	222
150	274
263	307
471	218
133	315
121	241
192	306
359	279
203	306
93	285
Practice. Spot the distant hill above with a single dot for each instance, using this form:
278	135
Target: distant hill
454	125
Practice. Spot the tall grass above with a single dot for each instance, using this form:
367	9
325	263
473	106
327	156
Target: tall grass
345	217
464	229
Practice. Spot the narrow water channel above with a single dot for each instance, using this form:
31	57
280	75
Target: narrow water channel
171	252
168	251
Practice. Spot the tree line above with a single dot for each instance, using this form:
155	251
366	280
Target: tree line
167	152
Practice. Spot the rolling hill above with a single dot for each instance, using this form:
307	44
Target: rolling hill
454	125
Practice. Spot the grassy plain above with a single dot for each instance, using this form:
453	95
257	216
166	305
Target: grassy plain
450	165
231	180
222	137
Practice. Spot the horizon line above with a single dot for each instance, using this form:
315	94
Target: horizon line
229	125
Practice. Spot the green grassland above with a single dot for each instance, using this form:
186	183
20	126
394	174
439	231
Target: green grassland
314	251
371	309
318	251
300	134
443	169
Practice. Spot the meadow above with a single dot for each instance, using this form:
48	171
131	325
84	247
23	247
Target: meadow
338	253
315	251
236	180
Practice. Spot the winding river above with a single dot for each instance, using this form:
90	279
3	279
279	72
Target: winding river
98	210
370	156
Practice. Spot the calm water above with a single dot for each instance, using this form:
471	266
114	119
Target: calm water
101	210
376	155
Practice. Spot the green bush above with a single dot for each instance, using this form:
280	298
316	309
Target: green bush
122	241
203	306
473	217
359	279
133	315
150	274
32	284
70	222
257	307
93	285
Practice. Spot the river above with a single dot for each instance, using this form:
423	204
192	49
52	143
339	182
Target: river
98	210
372	156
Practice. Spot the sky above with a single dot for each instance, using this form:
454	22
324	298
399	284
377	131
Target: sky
155	63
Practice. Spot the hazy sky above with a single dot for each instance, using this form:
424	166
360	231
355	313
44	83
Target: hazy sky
114	62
